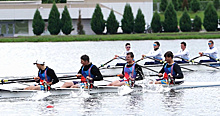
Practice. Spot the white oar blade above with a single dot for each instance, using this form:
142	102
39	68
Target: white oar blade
40	95
124	90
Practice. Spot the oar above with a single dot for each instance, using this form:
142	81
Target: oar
6	81
161	61
212	57
186	61
138	61
106	63
194	58
203	64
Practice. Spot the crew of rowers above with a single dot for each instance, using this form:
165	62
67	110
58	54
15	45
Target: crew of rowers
131	71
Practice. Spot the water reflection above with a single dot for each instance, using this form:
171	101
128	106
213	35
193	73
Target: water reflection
173	101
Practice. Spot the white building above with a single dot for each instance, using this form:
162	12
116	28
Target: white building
16	17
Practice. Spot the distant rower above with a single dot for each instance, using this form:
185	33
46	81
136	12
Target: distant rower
127	49
183	52
211	51
170	68
155	53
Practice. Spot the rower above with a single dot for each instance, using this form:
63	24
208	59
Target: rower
155	53
123	55
212	52
182	53
131	71
46	76
171	69
87	71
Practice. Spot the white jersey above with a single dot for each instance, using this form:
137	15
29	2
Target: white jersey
155	54
183	54
212	52
124	54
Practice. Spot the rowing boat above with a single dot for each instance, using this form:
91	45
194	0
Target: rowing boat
155	67
18	93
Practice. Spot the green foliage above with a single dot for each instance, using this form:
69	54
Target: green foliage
155	23
54	23
210	22
50	1
127	20
170	21
175	4
180	2
80	30
197	23
66	22
185	22
97	23
44	1
139	25
195	5
216	4
112	23
62	1
38	23
163	5
185	4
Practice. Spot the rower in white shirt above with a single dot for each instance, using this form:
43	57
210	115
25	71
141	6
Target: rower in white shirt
155	53
183	52
212	52
127	49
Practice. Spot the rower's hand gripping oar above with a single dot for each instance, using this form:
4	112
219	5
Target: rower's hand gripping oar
192	60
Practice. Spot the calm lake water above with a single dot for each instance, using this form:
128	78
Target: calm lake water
17	60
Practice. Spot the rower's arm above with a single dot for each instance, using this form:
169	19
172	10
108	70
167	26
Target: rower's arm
179	73
140	74
53	76
95	71
162	69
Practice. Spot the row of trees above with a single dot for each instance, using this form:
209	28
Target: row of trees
55	24
129	24
51	1
194	5
170	23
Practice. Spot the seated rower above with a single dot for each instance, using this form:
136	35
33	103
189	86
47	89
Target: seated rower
45	75
87	71
182	53
123	55
170	68
211	51
155	53
130	72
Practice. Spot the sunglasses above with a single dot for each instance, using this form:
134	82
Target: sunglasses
209	43
128	47
154	44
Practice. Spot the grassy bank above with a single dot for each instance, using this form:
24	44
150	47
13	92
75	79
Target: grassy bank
153	36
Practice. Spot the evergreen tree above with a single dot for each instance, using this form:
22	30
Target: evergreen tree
66	22
210	21
163	5
185	4
175	4
197	24
216	4
180	3
54	22
139	25
38	23
80	30
112	23
44	1
170	22
155	23
50	1
97	22
127	20
195	5
185	22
